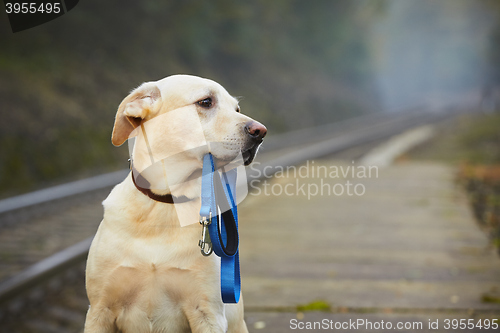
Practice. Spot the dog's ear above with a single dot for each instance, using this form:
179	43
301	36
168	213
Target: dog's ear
133	109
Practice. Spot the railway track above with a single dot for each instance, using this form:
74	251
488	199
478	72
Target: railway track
45	235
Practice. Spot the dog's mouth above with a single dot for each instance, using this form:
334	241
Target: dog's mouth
250	153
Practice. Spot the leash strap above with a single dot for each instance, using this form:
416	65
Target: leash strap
218	193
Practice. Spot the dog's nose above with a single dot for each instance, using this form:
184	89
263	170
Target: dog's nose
256	130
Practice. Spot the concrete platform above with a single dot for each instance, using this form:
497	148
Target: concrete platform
407	248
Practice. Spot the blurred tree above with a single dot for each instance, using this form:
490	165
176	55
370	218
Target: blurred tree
491	87
296	63
430	51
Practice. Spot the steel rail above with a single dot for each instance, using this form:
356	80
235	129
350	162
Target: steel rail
302	136
386	126
319	133
273	143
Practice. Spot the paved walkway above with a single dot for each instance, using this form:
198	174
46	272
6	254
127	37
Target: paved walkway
407	250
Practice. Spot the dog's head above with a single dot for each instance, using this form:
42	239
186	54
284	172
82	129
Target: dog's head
188	112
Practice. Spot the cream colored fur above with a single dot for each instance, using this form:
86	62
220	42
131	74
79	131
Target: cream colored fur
144	272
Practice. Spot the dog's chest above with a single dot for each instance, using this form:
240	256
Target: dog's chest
150	283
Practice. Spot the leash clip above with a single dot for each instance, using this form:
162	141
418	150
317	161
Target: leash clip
205	243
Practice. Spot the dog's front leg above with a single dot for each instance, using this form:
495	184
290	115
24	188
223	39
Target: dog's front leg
202	319
100	321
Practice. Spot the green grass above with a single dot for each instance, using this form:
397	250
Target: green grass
317	305
487	298
474	139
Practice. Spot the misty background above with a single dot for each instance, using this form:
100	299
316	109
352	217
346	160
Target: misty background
295	63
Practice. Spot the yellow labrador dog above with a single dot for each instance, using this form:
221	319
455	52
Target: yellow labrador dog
145	272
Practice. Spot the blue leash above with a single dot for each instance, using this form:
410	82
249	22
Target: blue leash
222	238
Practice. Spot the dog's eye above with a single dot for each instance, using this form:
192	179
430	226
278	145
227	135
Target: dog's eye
238	109
205	103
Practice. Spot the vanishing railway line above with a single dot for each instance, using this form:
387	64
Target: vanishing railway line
45	235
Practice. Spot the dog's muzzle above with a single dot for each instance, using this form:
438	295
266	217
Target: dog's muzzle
255	132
